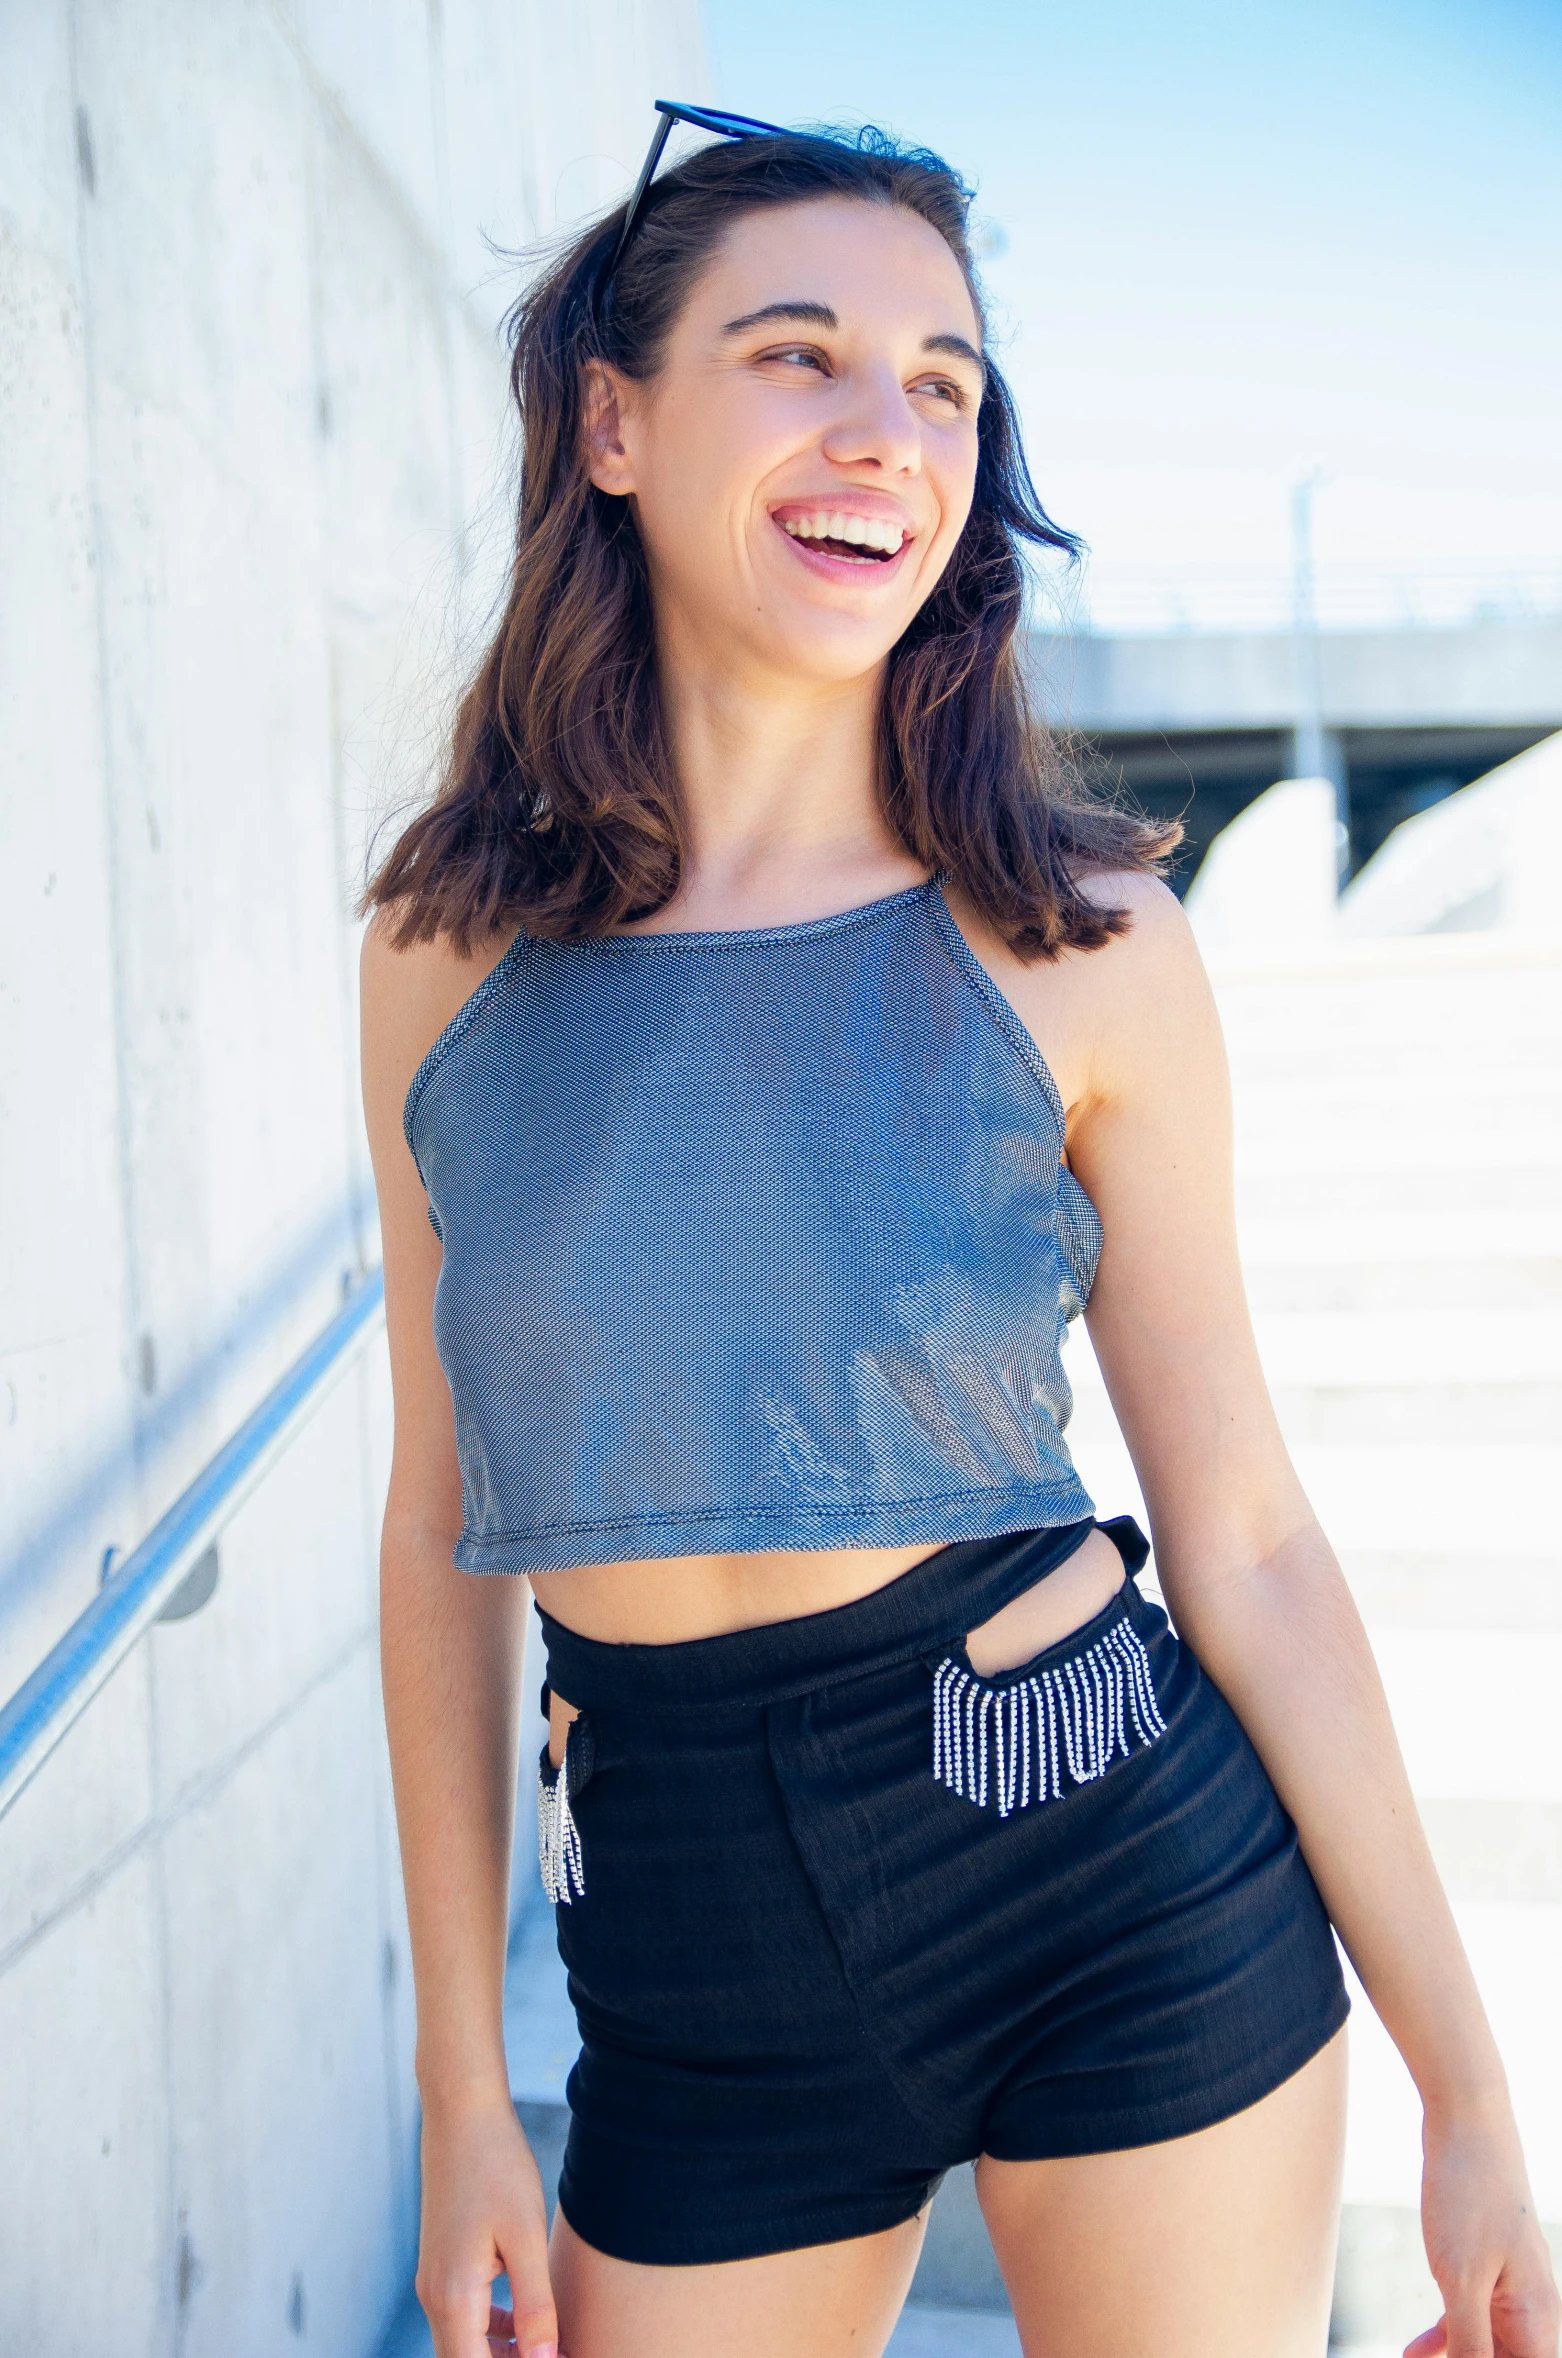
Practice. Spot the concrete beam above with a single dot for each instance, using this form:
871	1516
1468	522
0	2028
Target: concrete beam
1489	674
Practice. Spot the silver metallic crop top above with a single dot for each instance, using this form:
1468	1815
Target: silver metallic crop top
751	1240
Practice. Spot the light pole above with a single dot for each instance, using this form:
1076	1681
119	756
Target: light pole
1316	751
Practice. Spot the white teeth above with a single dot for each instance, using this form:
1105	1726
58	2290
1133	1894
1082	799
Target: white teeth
871	532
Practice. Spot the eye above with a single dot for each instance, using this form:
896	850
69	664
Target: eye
797	356
945	389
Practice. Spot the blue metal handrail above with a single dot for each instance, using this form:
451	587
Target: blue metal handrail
98	1640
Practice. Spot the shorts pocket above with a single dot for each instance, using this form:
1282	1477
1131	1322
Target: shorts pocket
1032	1735
558	1836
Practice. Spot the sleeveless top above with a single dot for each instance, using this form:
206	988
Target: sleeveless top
752	1240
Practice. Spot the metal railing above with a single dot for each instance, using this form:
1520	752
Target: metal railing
148	1581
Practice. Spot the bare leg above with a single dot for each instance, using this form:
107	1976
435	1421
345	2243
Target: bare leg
834	2300
1219	2245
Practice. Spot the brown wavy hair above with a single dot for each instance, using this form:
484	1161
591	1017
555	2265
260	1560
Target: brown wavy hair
558	811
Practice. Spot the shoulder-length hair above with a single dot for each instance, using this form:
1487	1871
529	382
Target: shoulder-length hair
558	811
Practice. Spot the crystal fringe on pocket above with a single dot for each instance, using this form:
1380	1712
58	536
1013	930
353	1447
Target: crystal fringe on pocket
1014	1744
558	1836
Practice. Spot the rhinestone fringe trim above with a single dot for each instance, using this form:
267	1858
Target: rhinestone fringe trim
558	1841
1014	1744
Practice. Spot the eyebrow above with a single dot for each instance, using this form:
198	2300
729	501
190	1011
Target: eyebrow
820	315
811	314
959	346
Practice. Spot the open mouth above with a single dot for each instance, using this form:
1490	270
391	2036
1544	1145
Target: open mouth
851	540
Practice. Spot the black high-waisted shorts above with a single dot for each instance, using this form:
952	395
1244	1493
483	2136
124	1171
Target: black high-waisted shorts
839	1914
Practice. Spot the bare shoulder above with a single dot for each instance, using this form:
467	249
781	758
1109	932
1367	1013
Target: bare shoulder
410	994
1157	926
1151	1009
1087	1010
1155	950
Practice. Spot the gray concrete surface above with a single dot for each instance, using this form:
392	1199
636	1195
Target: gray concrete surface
1398	1126
251	413
1489	673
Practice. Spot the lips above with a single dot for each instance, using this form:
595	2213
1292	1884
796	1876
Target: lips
848	535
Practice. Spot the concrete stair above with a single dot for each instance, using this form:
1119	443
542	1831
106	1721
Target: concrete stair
1399	1201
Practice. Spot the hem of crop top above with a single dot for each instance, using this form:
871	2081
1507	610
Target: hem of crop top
939	1520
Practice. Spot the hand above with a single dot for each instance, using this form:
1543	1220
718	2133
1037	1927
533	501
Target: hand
1485	2248
483	2216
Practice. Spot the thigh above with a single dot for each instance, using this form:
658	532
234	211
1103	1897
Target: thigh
834	2300
1217	2245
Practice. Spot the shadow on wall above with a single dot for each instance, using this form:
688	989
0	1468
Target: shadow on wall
65	1526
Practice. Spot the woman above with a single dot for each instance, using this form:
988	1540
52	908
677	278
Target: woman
766	1054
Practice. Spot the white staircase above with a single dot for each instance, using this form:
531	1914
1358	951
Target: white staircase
1399	1174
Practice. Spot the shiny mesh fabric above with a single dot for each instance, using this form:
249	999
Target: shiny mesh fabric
751	1240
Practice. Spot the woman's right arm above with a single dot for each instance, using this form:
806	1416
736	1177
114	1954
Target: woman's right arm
451	1648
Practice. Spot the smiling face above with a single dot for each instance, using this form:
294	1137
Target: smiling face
802	465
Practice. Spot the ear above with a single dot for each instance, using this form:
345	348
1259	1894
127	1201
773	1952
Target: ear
607	460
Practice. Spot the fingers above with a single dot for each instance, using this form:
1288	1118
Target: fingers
1469	2324
532	2319
460	2316
1501	2323
501	2335
1526	2313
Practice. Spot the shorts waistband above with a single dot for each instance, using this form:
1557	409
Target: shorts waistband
929	1608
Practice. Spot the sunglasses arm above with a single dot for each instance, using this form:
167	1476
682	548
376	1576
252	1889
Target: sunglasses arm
659	139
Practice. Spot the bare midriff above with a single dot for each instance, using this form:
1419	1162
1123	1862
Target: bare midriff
666	1602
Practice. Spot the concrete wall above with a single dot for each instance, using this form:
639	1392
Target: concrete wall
250	411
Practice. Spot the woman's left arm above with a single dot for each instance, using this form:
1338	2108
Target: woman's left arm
1256	1590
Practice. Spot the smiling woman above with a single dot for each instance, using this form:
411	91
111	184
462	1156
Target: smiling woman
767	1053
559	809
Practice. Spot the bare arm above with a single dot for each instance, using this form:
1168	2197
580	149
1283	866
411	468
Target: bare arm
1258	1593
451	1648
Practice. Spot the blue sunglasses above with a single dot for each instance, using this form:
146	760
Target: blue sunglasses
703	118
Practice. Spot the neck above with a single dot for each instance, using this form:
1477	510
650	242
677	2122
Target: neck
778	786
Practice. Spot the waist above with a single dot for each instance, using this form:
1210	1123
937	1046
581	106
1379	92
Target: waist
930	1606
660	1601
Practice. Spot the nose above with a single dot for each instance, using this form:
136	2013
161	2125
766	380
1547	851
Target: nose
875	426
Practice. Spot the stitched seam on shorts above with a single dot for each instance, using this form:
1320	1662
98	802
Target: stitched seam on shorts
920	2119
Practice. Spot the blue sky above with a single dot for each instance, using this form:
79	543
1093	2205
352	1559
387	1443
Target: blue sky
1241	241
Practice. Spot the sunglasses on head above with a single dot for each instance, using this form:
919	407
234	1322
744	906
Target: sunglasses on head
703	118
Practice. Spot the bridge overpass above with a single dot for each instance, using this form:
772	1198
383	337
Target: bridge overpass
1197	723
